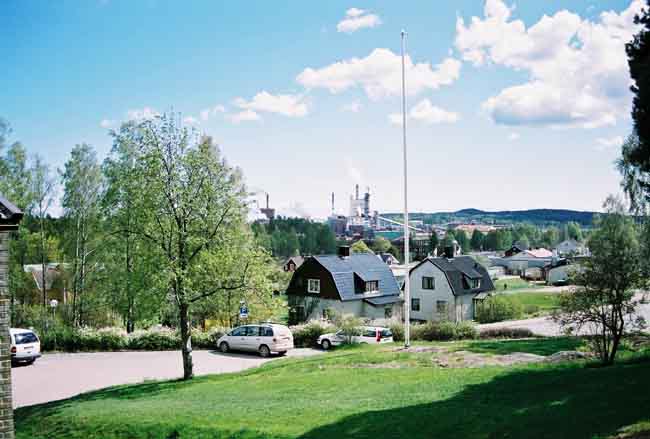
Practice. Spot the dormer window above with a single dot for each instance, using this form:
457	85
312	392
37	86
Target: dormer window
472	283
372	286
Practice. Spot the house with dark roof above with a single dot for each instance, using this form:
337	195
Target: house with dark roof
56	282
388	258
516	248
448	288
360	284
291	264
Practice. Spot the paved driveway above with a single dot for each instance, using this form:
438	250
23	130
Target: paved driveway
60	376
547	327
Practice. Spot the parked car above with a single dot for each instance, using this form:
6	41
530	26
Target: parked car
25	346
365	335
264	338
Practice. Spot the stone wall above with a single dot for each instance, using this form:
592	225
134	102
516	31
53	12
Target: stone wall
6	409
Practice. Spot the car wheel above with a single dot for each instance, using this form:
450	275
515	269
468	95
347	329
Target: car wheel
325	344
223	347
264	351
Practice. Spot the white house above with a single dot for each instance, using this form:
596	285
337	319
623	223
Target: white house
571	247
448	288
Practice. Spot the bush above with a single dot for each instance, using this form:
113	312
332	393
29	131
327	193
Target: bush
436	331
155	339
305	336
531	309
105	339
497	309
506	333
207	339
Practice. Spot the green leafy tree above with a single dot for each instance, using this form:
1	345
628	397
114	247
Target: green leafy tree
381	245
636	153
82	183
550	237
492	240
463	241
574	231
476	243
42	190
433	242
193	207
604	302
360	247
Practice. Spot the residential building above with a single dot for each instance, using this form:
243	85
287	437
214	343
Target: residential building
55	282
388	258
360	284
571	247
292	264
448	288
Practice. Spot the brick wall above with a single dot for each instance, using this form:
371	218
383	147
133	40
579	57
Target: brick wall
6	409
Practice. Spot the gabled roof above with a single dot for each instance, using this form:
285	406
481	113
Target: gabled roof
540	253
457	268
10	215
298	260
367	266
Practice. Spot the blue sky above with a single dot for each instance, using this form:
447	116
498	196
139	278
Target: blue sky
523	106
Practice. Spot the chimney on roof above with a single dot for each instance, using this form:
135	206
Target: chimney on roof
344	251
449	251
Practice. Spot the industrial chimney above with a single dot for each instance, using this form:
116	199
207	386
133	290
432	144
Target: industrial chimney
332	203
356	192
267	200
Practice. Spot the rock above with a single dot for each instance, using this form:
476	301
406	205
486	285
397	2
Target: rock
566	356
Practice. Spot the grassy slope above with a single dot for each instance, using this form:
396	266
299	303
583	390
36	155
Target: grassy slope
340	395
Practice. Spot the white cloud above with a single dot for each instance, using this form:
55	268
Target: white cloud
379	74
191	120
207	113
356	19
107	123
352	107
426	113
244	116
578	74
513	136
141	114
609	142
285	104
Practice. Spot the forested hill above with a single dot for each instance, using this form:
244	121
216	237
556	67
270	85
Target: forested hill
533	216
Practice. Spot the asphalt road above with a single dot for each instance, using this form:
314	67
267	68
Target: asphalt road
547	327
60	376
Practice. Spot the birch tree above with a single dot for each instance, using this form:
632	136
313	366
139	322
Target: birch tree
82	183
42	190
192	208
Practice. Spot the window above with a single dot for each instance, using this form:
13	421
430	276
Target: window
369	333
372	286
415	304
266	331
388	312
313	286
238	332
474	283
25	337
441	307
252	331
428	283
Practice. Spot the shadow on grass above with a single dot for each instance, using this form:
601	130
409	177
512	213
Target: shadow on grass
539	346
564	402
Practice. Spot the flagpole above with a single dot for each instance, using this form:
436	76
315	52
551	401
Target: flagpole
407	292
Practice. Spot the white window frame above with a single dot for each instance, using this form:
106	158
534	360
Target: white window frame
372	291
313	286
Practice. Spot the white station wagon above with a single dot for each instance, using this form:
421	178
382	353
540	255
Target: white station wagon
263	338
25	346
365	335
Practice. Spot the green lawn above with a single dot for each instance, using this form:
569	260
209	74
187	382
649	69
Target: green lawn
366	392
514	283
535	304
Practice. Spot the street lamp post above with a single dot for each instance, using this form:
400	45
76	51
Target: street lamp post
407	292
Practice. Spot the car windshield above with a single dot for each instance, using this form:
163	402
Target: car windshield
25	337
386	333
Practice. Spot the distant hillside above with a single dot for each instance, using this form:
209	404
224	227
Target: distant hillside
533	216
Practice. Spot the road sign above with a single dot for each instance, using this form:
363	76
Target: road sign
243	312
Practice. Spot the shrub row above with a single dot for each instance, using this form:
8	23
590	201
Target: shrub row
63	338
431	331
497	309
506	333
305	336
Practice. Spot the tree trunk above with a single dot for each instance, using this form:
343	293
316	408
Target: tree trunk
186	340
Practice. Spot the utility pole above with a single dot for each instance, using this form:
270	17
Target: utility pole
407	292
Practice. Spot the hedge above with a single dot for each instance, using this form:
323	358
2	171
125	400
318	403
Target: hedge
435	331
66	339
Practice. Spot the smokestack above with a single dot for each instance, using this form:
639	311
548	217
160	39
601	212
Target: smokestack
332	203
356	192
267	200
